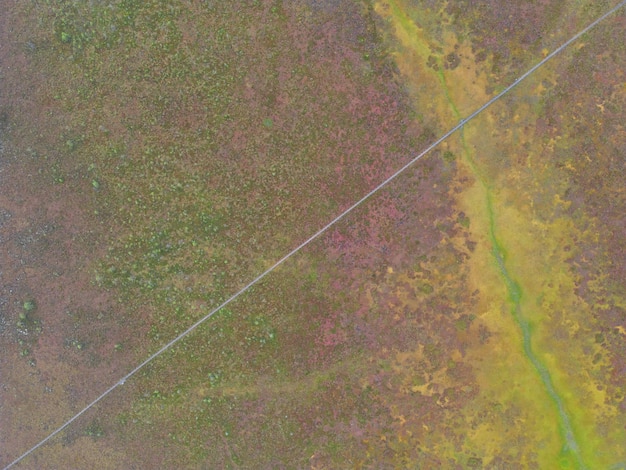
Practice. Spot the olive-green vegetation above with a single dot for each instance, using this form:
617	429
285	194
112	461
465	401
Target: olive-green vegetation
175	150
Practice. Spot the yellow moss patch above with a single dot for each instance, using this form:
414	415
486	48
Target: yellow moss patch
519	264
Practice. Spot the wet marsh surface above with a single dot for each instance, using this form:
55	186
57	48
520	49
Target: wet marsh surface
155	157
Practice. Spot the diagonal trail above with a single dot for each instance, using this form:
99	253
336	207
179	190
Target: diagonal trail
317	234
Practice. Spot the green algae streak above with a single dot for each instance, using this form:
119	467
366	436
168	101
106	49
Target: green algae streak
571	451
